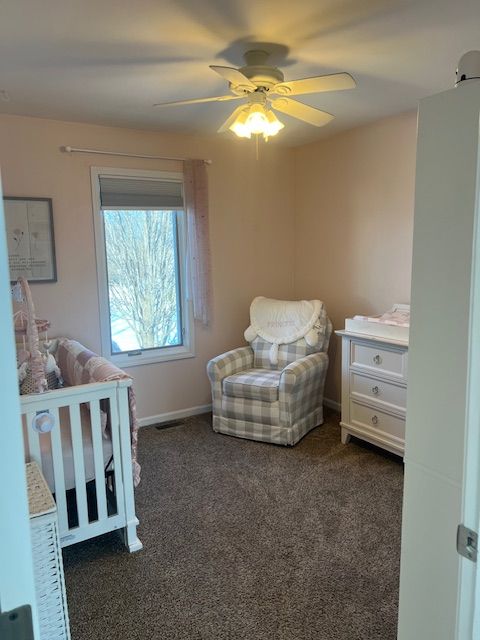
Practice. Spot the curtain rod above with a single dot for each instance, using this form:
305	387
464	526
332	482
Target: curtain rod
68	149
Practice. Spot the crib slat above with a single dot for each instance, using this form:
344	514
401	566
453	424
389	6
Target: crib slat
98	459
130	532
78	462
58	472
117	462
33	440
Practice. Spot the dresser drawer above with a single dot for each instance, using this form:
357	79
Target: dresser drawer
376	420
369	357
377	390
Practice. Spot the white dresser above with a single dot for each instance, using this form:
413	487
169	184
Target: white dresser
374	390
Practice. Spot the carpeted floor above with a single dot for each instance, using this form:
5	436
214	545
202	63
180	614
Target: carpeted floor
245	540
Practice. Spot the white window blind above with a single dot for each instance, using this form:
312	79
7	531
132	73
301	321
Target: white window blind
140	193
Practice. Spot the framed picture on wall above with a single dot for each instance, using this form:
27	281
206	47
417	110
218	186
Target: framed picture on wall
30	239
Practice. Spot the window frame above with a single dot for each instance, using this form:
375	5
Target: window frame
125	360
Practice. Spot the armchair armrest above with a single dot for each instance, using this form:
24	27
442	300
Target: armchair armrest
229	363
303	369
301	386
226	365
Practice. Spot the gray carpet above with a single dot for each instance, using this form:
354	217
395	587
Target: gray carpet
245	540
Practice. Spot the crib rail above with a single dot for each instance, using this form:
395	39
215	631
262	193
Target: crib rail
96	504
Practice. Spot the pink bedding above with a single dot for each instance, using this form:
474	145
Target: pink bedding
79	365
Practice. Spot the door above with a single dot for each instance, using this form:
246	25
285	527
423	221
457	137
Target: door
16	574
442	445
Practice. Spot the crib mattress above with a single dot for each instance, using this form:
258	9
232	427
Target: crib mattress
67	450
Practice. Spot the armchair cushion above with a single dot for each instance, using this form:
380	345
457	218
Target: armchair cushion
287	353
253	384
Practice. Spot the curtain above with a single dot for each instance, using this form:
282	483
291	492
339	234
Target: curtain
198	251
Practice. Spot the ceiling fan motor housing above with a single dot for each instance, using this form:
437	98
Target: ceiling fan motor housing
261	74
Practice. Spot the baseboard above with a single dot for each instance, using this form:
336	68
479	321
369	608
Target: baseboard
174	415
333	404
205	408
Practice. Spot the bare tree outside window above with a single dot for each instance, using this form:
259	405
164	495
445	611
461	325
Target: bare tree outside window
143	279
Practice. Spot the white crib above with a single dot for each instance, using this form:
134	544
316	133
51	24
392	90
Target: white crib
89	475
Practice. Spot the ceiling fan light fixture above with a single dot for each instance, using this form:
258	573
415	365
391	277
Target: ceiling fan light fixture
239	126
274	124
256	119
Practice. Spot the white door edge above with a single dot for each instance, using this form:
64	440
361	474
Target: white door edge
16	576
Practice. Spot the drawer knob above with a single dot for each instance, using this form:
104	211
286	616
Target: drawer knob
377	359
375	390
374	419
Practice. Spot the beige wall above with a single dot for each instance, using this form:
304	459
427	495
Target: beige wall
354	223
251	235
331	220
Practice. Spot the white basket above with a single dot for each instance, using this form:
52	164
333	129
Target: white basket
47	558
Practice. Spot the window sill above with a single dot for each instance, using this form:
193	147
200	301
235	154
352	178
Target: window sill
125	362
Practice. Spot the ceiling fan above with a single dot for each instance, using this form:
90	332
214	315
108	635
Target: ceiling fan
262	88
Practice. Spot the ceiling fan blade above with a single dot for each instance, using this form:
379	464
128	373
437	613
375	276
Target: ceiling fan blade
302	111
231	118
235	77
317	84
197	101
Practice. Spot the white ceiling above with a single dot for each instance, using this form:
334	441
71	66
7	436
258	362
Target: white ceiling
108	61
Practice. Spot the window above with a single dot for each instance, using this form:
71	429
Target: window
140	239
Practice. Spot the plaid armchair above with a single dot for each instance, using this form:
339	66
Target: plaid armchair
275	399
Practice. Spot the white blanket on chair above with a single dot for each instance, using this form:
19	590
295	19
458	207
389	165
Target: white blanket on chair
283	322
